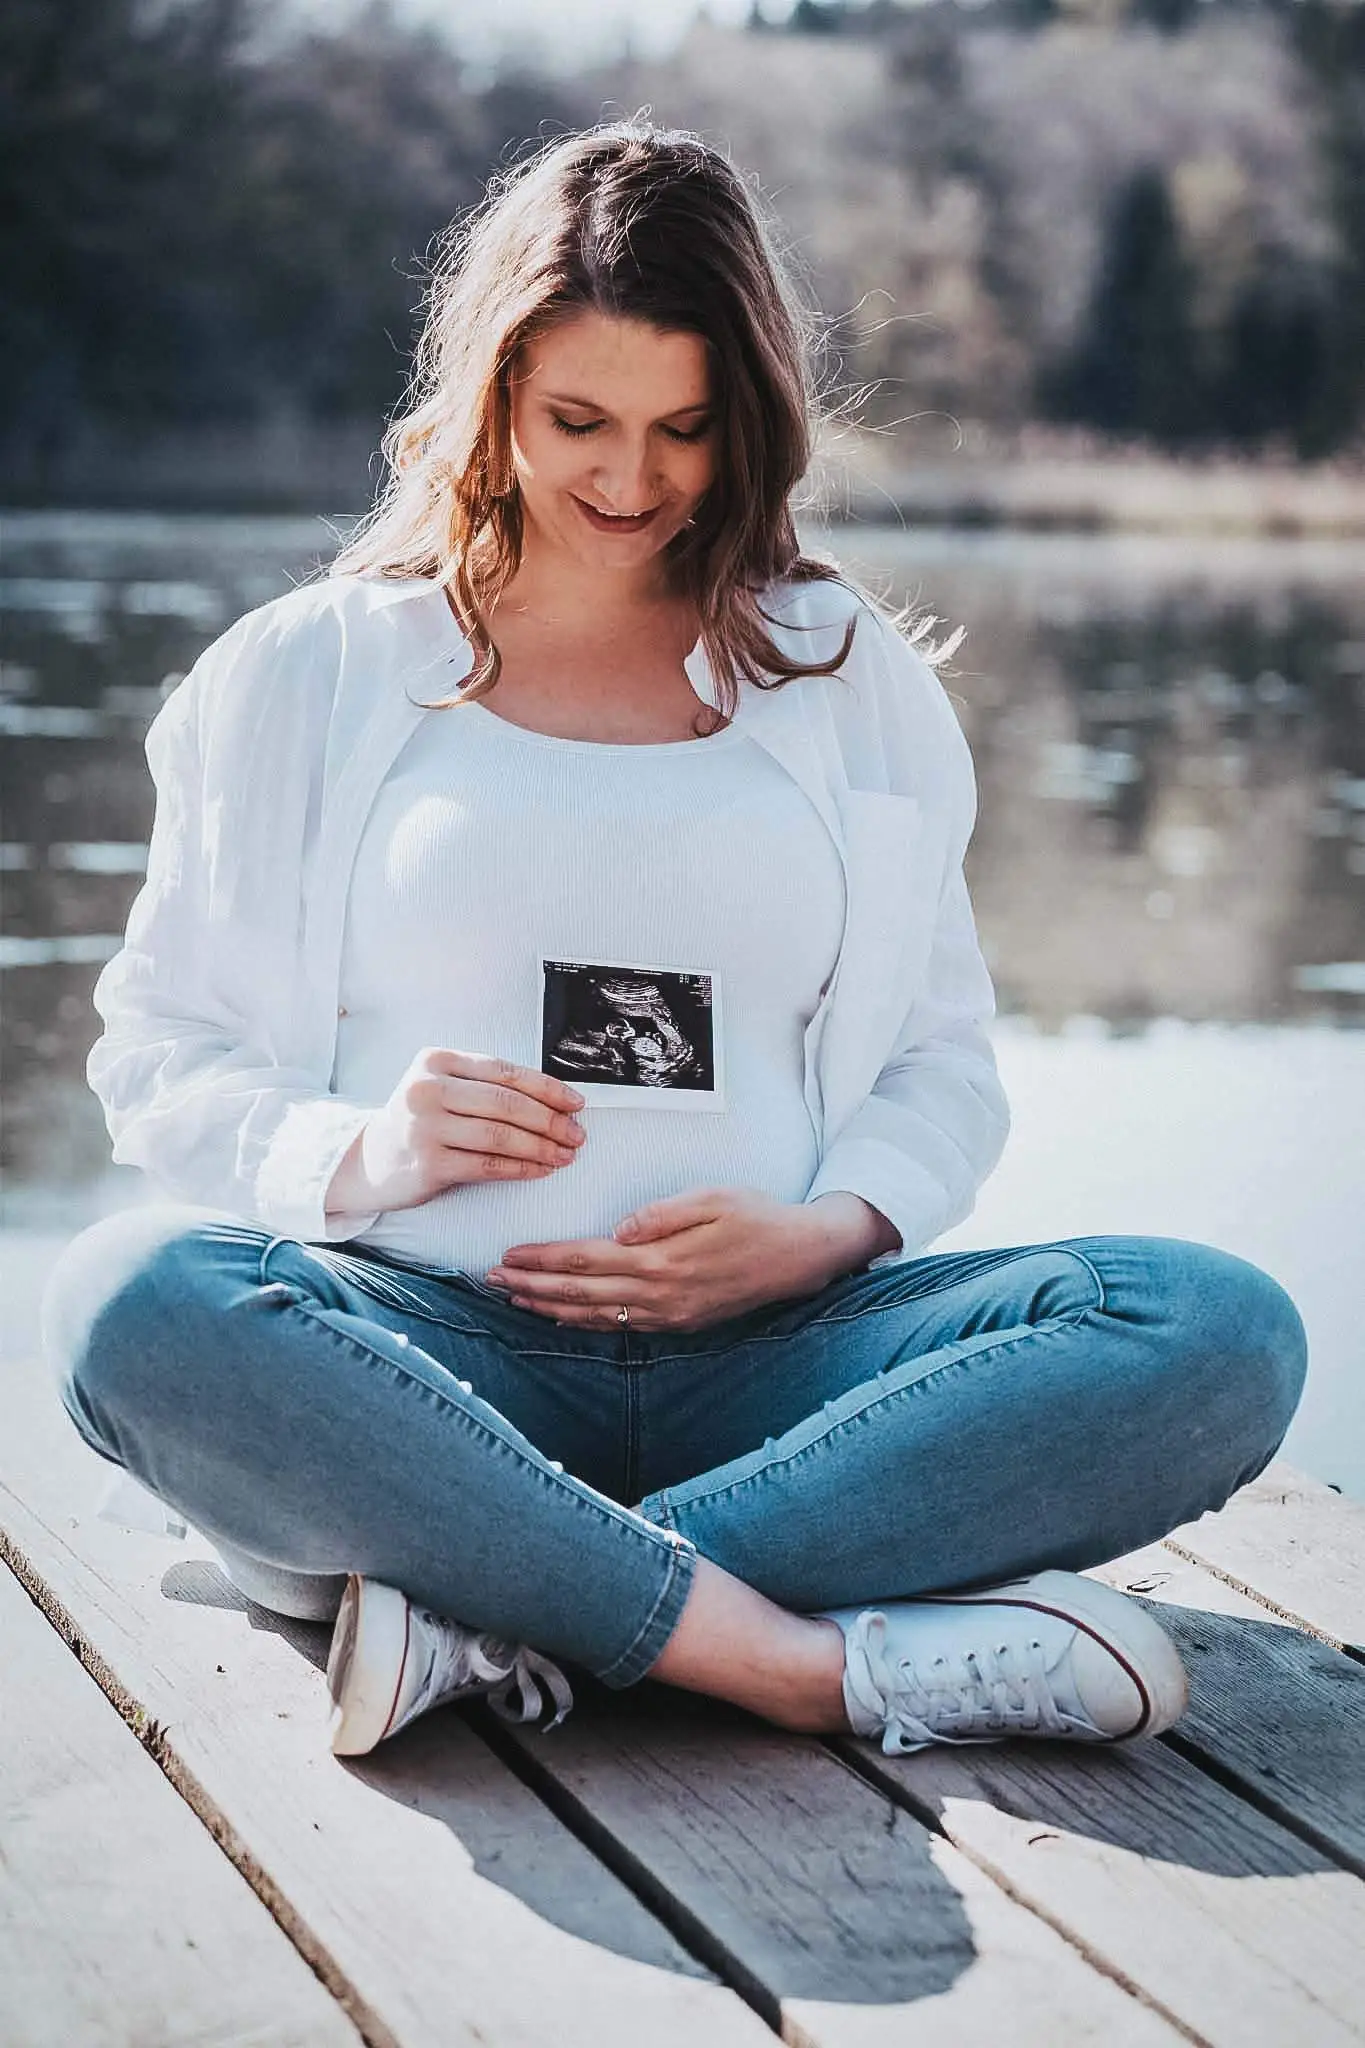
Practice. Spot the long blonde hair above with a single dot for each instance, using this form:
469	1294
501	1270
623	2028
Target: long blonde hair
636	222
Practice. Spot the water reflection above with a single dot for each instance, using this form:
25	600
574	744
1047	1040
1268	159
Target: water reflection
1168	739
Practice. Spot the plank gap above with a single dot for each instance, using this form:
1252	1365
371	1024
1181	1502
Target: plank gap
1233	1780
152	1737
120	1921
1250	1592
847	1909
1295	1755
695	1936
865	1767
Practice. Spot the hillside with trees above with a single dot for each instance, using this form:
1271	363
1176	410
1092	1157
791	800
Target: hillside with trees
1140	218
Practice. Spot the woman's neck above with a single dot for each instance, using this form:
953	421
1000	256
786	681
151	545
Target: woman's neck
555	591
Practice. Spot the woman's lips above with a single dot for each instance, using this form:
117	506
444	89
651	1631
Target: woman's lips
603	522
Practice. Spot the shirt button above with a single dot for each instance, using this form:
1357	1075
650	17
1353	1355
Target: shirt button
342	1010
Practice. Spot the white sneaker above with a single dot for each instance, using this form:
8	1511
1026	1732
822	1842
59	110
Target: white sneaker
391	1660
1051	1655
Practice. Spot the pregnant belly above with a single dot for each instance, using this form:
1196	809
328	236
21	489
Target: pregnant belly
629	1157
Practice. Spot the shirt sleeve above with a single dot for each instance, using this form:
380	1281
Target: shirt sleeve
186	1069
935	1122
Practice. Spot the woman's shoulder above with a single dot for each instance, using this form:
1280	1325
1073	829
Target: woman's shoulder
295	641
280	665
322	602
812	615
826	597
898	725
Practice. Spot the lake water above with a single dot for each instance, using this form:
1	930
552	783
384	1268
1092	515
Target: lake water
1170	748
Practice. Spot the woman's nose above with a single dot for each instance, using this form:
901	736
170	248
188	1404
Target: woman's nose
626	482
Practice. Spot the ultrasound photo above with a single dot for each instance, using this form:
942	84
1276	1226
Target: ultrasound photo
644	1036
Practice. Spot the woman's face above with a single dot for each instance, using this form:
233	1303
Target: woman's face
612	417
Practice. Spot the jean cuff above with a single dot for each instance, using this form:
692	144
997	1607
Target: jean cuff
633	1663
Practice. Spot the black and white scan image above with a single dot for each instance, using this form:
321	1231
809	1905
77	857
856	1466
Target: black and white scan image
644	1036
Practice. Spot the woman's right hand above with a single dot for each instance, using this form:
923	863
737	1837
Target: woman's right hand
455	1117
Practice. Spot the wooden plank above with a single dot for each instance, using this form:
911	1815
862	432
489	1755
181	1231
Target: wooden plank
1238	1931
1293	1544
121	1922
438	1898
850	1922
1279	1711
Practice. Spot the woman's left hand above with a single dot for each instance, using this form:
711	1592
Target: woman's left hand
681	1263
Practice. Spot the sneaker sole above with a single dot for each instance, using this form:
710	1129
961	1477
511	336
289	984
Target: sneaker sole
366	1664
1118	1624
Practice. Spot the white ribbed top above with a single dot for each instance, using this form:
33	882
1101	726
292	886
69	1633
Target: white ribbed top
492	849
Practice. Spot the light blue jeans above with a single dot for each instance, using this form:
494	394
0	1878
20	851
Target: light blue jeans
956	1419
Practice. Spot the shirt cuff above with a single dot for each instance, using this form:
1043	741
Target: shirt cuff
305	1152
911	1200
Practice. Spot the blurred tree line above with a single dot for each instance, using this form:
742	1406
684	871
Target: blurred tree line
1144	216
195	222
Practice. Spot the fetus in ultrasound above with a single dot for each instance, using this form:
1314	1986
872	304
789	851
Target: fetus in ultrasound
641	1030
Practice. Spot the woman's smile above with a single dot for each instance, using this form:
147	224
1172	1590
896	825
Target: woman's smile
614	522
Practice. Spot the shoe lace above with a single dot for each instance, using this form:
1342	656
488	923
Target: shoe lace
978	1696
528	1673
466	1660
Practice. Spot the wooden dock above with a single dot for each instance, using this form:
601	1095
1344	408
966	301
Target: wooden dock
182	1860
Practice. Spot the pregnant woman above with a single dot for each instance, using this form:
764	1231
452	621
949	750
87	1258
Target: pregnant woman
650	1371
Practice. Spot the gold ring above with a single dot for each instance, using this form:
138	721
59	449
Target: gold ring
623	1315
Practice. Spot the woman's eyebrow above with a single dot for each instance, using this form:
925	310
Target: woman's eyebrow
567	398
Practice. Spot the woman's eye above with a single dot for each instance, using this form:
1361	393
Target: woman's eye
591	426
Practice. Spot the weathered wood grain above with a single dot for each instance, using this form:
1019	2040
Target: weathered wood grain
1280	1711
1293	1543
438	1898
121	1922
1239	1931
851	1923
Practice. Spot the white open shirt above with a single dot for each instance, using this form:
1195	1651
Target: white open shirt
220	1010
